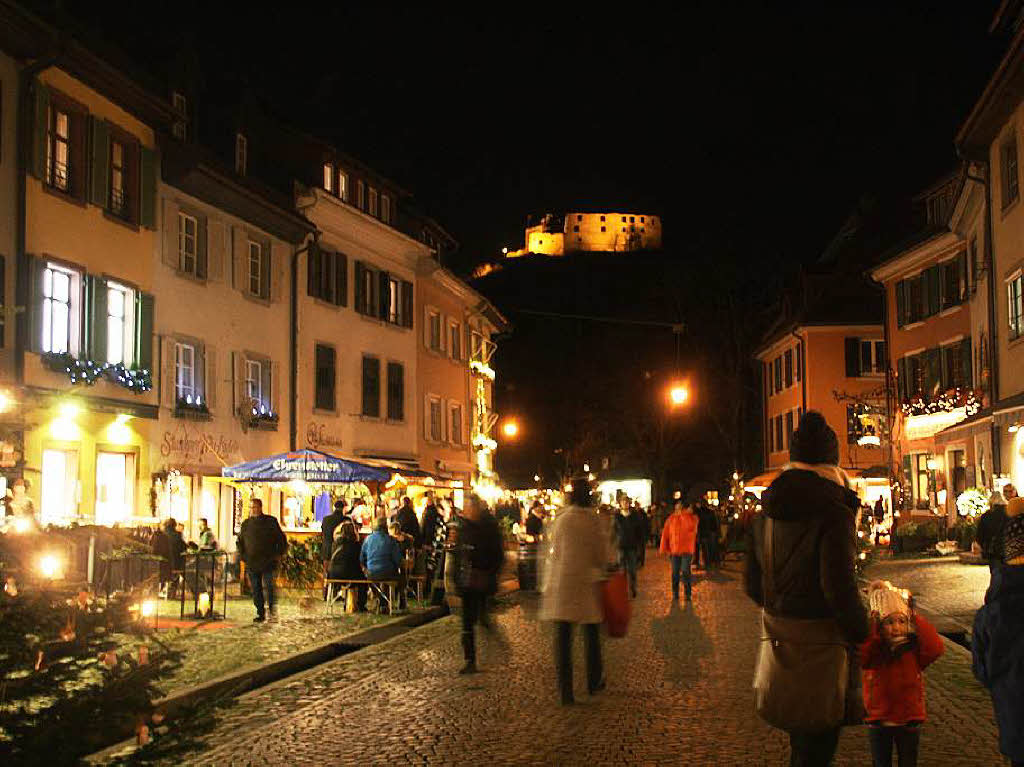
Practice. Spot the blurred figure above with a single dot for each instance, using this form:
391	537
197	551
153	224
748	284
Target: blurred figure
535	520
431	520
381	557
408	523
20	506
207	540
679	541
707	535
990	530
629	533
578	554
644	523
480	553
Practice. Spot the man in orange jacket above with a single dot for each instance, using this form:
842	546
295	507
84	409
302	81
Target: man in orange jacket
679	540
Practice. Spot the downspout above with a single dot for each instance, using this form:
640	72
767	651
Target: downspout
23	145
993	324
293	331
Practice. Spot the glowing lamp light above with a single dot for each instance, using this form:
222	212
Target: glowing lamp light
49	566
869	439
148	608
69	410
862	555
1012	429
679	395
22	524
510	428
204	603
586	467
568	487
536	477
590	477
5	402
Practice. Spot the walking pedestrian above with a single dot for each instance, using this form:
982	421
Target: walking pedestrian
480	556
578	553
628	530
707	535
535	520
800	570
261	544
997	643
645	532
679	541
901	644
408	524
990	530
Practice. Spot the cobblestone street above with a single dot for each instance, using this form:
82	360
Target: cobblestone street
678	692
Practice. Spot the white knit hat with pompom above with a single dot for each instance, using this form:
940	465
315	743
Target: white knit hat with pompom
885	599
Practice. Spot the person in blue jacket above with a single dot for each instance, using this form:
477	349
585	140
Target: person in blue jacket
381	557
998	640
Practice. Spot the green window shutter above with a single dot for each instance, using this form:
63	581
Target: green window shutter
965	364
383	294
932	283
852	349
341	279
933	371
32	272
96	318
313	258
901	303
202	247
265	269
266	384
407	304
148	173
39	137
145	307
99	186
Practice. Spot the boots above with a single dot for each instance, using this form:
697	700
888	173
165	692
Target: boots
469	651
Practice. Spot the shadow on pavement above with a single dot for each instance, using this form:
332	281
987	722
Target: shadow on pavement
680	638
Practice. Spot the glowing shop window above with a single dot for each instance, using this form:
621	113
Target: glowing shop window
115	487
59	486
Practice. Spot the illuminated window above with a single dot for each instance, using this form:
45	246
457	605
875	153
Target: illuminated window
188	228
115	487
1015	305
256	286
254	382
373	202
394	300
435	422
434	325
343	185
120	324
455	423
118	200
185	373
58	149
57	318
241	154
328	177
59	487
385	208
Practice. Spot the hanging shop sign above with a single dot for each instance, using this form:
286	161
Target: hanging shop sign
317	436
187	446
306	465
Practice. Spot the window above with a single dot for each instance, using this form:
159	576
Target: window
181	107
579	217
58	149
953	275
385	208
799	355
396	391
254	381
343	185
768	377
256	255
455	424
328	177
373	201
632	220
576	228
778	373
188	233
921	480
241	154
476	344
57	315
323	398
771	436
115	487
641	219
435	420
360	194
864	357
371	387
779	444
602	228
434	325
120	324
394	301
623	221
1008	170
455	340
602	218
1015	300
789	367
327	276
789	427
975	267
185	389
118	201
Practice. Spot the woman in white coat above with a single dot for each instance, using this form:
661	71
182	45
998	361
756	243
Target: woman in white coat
578	549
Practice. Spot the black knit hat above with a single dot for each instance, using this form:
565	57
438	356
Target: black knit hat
814	441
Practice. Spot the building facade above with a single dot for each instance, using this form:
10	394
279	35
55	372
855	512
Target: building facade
557	235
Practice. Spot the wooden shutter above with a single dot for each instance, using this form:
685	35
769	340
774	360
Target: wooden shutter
341	279
39	135
99	188
852	346
360	288
96	318
216	249
275	387
901	379
148	174
314	258
933	371
199	371
426	417
33	270
383	294
277	267
167	382
240	258
170	255
210	382
145	304
239	400
901	303
407	304
202	248
933	279
965	363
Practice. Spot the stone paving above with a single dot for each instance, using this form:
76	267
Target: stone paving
942	586
678	692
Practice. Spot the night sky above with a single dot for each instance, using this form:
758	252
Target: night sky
749	127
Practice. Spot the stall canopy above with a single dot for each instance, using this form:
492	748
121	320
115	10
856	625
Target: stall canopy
306	465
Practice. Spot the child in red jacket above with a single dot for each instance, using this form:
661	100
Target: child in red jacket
900	646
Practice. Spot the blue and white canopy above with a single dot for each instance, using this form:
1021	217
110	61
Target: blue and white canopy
307	465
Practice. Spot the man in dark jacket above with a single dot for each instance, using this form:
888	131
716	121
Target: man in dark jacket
707	535
329	525
480	552
261	544
990	530
407	522
812	516
431	520
629	531
535	520
644	524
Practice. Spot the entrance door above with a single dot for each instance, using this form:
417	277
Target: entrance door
60	487
115	487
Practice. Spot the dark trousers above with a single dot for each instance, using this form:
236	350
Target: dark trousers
681	569
641	552
709	549
813	749
905	739
263	583
474	610
563	657
627	558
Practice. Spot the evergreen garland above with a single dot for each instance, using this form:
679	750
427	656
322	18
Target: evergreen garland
88	372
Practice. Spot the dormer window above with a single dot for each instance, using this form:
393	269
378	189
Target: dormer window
241	154
180	104
329	177
343	185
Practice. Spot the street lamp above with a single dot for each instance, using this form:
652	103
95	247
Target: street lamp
510	428
678	394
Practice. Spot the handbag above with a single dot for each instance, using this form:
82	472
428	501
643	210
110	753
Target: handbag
615	604
803	665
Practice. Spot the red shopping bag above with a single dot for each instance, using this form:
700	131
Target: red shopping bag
615	603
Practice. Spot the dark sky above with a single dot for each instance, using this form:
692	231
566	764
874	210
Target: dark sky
747	127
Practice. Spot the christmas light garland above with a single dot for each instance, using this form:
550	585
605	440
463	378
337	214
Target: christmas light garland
944	403
88	372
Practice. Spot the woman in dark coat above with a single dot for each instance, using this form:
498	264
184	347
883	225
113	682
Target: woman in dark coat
344	563
480	553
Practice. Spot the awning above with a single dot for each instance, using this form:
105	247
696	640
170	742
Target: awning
762	480
306	465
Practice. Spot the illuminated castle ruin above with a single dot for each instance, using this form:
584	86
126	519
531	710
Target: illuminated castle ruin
556	235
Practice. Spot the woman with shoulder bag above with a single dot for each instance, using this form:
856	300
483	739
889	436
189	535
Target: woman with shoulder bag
801	570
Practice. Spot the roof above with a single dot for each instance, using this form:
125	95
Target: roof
997	102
